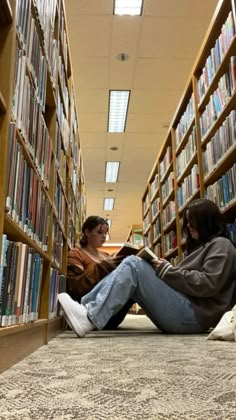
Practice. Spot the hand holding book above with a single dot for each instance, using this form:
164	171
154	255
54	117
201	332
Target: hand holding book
126	250
148	255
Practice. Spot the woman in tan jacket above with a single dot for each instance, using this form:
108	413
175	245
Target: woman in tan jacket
87	265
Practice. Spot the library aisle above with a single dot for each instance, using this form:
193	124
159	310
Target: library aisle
131	374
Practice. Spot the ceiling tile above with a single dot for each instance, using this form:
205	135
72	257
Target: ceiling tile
159	73
75	8
186	8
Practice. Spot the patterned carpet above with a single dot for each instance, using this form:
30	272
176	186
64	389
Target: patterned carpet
135	373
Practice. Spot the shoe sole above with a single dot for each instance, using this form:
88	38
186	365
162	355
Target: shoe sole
65	302
67	321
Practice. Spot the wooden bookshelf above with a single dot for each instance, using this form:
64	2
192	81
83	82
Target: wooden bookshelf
199	149
42	197
135	235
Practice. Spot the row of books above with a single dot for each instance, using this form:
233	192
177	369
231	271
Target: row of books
60	201
168	213
223	191
57	285
185	121
21	271
73	117
168	186
170	241
28	115
147	239
220	144
61	166
155	207
57	243
231	228
218	100
71	234
166	161
156	227
187	153
157	249
26	200
189	186
31	49
63	84
64	42
47	13
63	122
37	63
154	185
216	56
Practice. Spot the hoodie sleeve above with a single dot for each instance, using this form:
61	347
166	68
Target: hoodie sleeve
211	271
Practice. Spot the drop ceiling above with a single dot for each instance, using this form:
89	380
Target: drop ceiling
162	46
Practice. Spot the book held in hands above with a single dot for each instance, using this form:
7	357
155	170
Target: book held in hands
126	250
146	254
129	249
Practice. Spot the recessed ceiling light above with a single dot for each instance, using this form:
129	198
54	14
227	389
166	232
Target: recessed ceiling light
128	7
112	171
118	107
108	203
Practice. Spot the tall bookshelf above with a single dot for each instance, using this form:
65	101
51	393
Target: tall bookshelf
198	156
42	198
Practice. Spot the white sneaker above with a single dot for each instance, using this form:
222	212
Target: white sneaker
75	315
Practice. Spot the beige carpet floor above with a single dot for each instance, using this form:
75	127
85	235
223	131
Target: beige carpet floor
135	373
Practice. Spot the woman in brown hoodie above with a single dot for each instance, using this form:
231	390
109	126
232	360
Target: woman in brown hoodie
87	265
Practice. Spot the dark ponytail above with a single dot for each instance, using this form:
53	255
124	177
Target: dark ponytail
90	223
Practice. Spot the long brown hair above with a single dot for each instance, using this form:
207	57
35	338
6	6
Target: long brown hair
204	216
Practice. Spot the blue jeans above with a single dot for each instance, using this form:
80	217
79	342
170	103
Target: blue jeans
169	310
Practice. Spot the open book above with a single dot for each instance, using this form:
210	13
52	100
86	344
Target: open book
127	249
146	254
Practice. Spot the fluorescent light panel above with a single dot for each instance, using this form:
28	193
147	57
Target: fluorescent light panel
112	170
108	204
118	107
128	7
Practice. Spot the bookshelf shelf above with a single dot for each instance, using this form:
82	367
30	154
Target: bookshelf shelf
40	213
185	138
16	329
169	226
201	136
15	233
187	169
171	253
225	111
165	175
223	165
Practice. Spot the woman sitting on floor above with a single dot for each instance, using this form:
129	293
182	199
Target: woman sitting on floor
87	265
